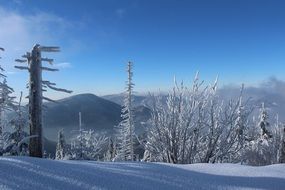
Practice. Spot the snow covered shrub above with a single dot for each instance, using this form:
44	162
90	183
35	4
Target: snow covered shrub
87	146
177	124
194	125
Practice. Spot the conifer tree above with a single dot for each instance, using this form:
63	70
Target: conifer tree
6	103
241	127
61	146
282	148
125	136
261	148
111	152
6	100
17	140
264	124
1	130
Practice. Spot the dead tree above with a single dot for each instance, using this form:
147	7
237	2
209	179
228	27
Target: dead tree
36	88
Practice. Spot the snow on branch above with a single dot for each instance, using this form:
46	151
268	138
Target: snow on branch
1	75
48	82
27	55
21	60
50	61
58	89
2	49
49	49
36	88
22	68
48	69
50	100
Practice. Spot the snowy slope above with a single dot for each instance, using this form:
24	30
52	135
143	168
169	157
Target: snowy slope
31	173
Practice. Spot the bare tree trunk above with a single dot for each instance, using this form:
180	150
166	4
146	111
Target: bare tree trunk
36	97
35	104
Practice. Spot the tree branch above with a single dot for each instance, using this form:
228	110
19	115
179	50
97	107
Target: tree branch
50	61
22	68
48	69
49	49
21	60
59	89
50	100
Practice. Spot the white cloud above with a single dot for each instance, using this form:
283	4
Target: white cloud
11	73
20	32
63	65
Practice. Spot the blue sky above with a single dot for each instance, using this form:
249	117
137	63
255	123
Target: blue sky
242	41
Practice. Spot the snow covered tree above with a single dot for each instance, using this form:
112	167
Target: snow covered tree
111	152
36	88
60	146
276	140
6	103
1	130
264	124
260	150
1	127
125	130
282	148
241	124
17	141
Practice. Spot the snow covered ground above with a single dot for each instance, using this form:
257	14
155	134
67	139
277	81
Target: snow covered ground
31	173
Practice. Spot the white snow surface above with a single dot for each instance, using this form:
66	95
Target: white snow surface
32	173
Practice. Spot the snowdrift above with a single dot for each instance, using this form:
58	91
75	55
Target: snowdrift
25	173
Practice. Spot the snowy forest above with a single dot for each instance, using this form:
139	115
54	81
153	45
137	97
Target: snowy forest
187	125
142	95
